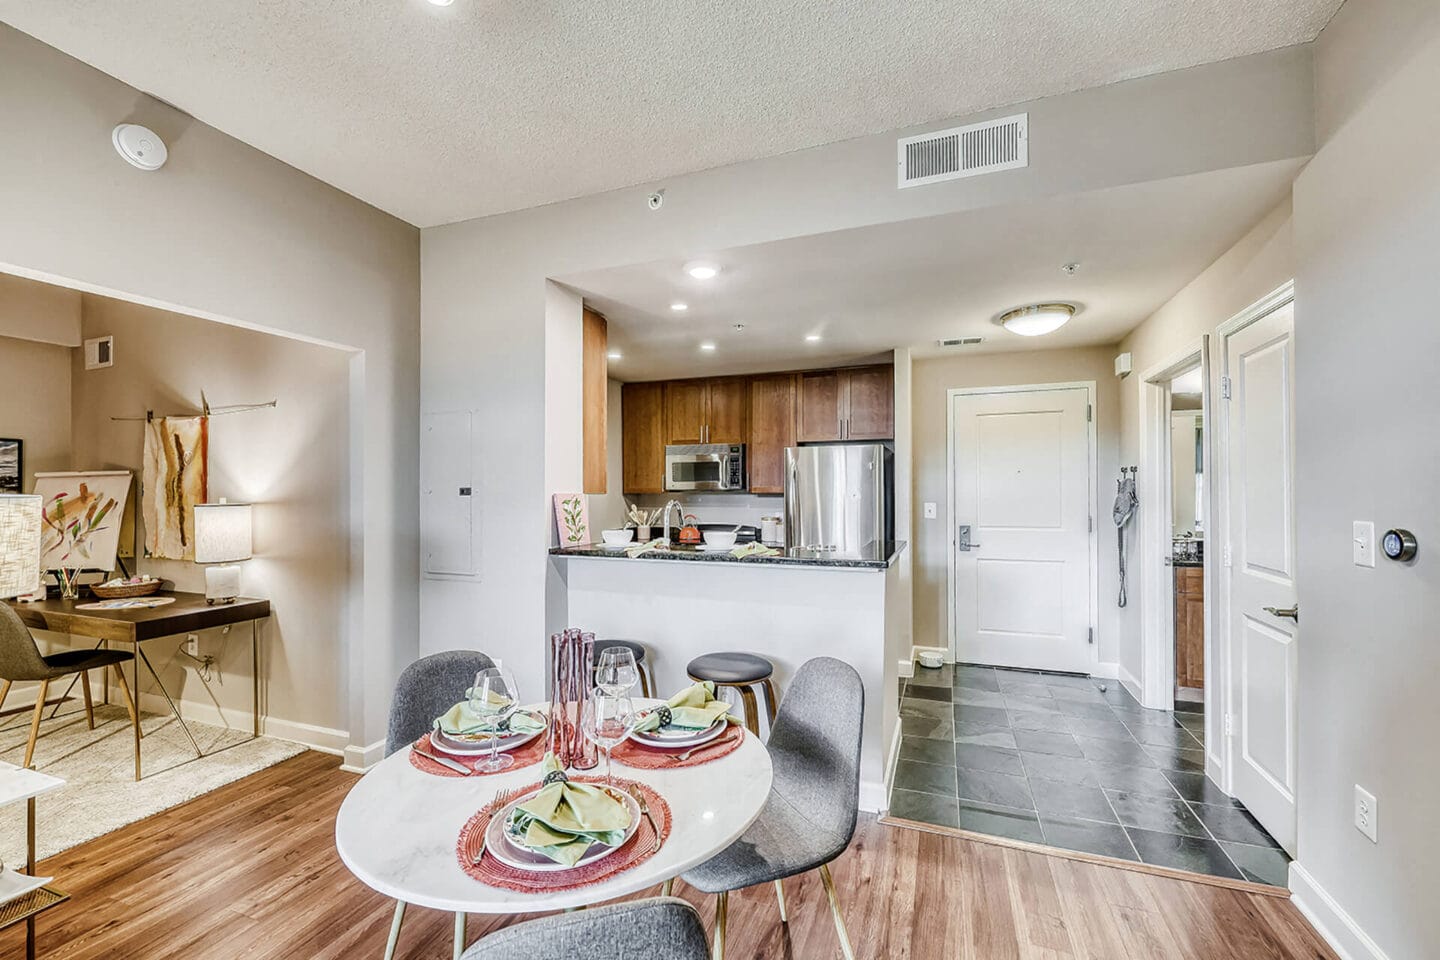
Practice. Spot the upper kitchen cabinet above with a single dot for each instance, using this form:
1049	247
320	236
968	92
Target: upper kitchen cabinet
851	404
642	425
772	429
706	411
595	390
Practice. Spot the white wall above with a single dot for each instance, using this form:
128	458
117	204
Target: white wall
1367	232
225	232
483	315
932	377
289	461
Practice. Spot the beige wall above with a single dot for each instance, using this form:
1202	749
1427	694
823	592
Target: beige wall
225	232
39	312
1367	385
931	378
289	461
35	403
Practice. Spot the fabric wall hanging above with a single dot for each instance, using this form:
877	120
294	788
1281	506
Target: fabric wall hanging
174	479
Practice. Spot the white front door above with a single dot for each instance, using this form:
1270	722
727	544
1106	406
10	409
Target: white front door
1260	445
1022	499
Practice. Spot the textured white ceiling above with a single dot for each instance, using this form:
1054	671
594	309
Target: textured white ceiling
911	283
438	114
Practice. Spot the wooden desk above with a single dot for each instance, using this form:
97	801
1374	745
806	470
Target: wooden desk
188	614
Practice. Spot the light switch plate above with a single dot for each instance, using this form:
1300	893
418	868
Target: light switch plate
929	510
1363	542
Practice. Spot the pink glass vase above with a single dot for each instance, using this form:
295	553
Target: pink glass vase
571	686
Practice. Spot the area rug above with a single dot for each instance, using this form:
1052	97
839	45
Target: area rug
98	767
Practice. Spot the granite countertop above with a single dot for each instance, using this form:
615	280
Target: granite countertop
1188	563
876	555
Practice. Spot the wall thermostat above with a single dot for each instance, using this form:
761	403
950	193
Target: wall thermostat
1399	544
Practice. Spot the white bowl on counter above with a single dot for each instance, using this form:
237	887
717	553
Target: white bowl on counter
616	538
720	539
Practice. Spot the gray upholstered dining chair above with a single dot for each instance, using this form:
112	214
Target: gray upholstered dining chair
21	659
425	690
663	928
814	801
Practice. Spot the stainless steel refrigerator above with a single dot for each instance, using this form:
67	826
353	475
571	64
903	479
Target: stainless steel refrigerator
839	498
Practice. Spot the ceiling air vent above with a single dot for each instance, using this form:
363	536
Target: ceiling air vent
1002	144
961	341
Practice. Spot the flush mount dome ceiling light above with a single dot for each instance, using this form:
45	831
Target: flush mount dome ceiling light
1037	319
140	146
679	307
701	270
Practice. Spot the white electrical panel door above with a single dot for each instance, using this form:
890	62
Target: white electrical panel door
448	517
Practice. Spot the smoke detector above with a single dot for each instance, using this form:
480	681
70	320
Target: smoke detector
140	146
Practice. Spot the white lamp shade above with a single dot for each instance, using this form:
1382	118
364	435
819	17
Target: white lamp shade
222	532
19	544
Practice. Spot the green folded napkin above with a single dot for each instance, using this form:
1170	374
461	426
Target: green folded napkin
694	708
636	549
564	819
464	720
754	549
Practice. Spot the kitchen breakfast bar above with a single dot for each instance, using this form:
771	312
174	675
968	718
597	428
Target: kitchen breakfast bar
686	602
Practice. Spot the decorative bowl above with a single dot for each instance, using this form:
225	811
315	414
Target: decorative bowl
616	537
720	539
125	591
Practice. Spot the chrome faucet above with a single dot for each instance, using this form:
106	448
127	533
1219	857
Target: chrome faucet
679	510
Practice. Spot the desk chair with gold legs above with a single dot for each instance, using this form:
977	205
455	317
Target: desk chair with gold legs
20	659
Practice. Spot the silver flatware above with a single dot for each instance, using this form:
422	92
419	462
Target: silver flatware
719	741
494	807
639	796
455	765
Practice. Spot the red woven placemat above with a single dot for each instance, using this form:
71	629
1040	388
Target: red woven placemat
526	756
637	755
637	849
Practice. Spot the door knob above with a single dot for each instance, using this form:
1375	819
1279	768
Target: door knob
1291	613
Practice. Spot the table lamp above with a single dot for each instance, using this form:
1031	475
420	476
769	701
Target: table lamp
19	544
222	536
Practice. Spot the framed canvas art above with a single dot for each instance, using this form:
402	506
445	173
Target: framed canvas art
572	519
12	465
81	517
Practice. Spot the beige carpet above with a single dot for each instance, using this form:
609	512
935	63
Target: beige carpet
100	792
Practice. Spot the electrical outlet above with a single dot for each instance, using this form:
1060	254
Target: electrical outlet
1367	812
1363	543
930	511
192	644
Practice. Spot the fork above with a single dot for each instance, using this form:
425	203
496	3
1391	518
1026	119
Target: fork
717	742
494	807
645	811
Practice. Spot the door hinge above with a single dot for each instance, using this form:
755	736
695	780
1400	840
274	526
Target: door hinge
1089	412
1090	634
1229	725
1225	387
1091	525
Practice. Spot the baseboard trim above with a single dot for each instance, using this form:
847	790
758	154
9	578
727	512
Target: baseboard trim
1245	886
1331	922
1106	670
873	798
359	759
1128	681
323	739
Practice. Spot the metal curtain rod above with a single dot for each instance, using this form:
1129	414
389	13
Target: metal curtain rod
207	411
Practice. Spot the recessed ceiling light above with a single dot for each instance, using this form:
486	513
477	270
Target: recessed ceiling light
615	355
1037	319
701	270
707	346
812	337
679	307
441	3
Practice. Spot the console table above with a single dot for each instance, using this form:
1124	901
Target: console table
187	613
17	784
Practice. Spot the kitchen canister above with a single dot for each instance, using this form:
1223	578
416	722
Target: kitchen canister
772	531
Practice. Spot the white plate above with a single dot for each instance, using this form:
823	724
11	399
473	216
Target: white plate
675	738
479	745
512	854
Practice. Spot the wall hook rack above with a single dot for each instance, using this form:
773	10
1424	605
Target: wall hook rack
206	410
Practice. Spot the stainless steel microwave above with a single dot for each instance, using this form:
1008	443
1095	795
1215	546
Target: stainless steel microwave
705	466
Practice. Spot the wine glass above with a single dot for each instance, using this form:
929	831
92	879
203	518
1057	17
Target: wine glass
607	720
495	697
617	673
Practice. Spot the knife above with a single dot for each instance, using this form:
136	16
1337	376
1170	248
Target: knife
445	761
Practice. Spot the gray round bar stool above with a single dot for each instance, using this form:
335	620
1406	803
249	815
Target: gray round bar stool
742	672
642	663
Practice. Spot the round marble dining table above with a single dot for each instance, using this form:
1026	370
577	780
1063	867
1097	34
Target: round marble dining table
398	827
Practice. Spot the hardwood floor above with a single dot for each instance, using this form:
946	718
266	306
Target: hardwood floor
251	871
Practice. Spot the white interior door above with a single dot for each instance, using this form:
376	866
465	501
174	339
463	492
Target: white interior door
1260	482
1021	473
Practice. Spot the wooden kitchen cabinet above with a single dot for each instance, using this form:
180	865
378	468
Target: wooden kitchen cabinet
848	404
772	429
595	387
642	426
1190	627
706	411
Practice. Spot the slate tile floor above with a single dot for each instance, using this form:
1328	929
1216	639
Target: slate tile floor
1053	759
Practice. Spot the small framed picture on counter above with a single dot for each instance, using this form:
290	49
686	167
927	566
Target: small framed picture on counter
12	465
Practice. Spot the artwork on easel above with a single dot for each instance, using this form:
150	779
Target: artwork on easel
12	466
81	518
174	479
572	519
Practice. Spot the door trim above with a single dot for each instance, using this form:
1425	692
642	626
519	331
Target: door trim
1091	474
